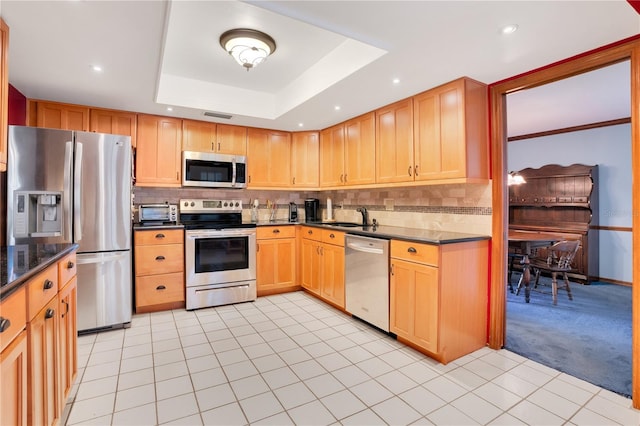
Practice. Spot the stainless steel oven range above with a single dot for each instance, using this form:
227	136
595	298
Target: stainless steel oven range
220	253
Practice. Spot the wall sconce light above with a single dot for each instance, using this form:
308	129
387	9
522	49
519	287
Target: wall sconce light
248	47
515	179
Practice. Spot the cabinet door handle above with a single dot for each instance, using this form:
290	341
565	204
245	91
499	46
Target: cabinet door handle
412	250
341	178
409	170
392	269
159	258
159	236
276	231
70	265
257	248
4	324
345	178
218	146
67	305
249	179
161	287
49	313
48	284
294	181
415	170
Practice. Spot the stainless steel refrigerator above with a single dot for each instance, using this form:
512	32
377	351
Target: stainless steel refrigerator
75	187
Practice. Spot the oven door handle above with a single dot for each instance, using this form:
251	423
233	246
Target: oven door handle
219	233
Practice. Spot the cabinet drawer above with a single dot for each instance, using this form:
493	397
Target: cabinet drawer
310	233
159	259
159	289
159	236
269	232
415	252
13	309
41	289
330	236
67	269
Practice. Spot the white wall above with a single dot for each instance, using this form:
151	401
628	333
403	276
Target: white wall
609	148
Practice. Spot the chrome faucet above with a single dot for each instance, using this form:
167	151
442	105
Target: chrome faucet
365	219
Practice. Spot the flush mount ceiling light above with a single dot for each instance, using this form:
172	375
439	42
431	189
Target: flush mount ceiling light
514	178
248	47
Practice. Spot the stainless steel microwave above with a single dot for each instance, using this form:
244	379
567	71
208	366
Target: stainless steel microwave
214	170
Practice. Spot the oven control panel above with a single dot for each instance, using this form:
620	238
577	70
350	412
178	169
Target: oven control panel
210	206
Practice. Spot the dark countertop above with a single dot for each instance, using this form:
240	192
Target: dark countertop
21	262
429	236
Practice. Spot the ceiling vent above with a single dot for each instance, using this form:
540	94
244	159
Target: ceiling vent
217	115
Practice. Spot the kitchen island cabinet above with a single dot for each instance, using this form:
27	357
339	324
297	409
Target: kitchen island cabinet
271	154
158	151
38	337
203	136
4	92
438	297
159	269
276	259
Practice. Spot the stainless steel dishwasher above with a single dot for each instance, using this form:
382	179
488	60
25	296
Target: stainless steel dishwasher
367	279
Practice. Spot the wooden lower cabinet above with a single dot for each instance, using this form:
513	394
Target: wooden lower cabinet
438	297
159	269
40	362
276	259
13	386
323	264
45	406
68	331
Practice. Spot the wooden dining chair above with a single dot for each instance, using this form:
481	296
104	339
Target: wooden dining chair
558	261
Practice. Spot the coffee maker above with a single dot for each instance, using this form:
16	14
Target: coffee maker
311	210
293	212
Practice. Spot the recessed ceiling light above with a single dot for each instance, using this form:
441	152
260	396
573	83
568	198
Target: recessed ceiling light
300	124
395	81
96	68
169	109
337	107
509	29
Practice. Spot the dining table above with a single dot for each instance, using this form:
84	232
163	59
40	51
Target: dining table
526	241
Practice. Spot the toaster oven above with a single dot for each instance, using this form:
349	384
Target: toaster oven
157	214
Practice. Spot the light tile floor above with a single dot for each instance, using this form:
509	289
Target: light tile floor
291	359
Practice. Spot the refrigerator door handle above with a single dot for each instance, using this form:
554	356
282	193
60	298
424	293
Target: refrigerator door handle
77	194
66	195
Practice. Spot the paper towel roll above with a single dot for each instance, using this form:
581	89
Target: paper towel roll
329	210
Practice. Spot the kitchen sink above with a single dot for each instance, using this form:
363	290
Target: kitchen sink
343	224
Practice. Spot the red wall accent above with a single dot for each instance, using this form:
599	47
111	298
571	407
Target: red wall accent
17	107
635	4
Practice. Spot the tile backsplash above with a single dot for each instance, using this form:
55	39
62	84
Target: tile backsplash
455	207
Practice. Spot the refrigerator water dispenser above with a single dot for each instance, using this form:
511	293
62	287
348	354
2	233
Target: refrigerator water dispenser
37	214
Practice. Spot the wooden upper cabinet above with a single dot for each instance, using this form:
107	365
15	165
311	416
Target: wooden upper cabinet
332	156
451	133
231	139
203	136
4	92
56	115
394	142
268	157
158	151
198	136
360	150
305	159
114	122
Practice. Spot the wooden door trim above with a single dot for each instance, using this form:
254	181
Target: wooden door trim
627	49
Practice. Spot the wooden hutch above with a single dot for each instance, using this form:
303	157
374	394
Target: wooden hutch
560	200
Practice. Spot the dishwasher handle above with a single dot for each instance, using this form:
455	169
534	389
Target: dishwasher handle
365	248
